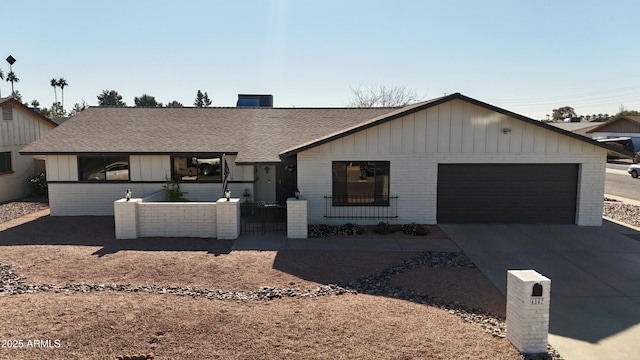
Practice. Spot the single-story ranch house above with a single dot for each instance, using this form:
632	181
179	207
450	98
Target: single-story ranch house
453	159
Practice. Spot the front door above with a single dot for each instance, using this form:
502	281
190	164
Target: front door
286	179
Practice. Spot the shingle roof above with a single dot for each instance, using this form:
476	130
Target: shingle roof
255	134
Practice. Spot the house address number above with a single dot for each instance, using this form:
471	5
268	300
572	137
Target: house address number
537	301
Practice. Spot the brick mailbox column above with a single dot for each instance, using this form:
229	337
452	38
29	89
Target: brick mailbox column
297	218
126	218
228	218
528	295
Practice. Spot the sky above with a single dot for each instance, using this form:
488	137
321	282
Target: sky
528	57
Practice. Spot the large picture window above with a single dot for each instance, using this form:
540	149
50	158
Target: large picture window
196	167
111	168
5	162
360	183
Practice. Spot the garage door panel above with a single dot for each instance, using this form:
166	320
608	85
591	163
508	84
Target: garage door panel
511	193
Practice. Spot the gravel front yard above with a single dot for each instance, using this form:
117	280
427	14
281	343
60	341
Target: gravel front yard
68	279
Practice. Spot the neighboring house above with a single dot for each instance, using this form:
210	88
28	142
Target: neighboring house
624	126
19	126
450	159
580	128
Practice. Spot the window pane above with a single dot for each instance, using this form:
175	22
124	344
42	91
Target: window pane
115	168
360	182
5	162
197	168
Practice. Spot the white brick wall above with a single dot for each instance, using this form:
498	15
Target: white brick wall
527	316
297	218
228	218
177	219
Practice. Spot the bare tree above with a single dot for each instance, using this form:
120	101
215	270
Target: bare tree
383	96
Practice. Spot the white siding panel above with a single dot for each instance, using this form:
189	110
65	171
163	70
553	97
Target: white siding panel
457	113
373	140
444	127
396	136
360	139
469	113
420	133
384	138
408	129
492	132
504	140
432	129
480	130
349	144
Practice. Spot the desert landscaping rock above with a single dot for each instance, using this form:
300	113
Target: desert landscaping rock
377	284
18	208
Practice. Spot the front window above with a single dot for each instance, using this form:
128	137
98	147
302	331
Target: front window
5	162
196	167
111	168
360	183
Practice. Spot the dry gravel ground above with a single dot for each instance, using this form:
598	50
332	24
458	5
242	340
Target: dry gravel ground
107	324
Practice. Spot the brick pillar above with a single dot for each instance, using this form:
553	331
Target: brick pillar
228	218
528	297
126	218
297	218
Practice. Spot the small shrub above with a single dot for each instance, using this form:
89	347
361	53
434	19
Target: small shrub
173	190
414	229
38	184
322	230
384	228
319	231
350	229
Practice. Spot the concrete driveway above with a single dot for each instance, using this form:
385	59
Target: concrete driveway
595	280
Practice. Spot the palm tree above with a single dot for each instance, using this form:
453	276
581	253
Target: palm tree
54	84
1	78
62	83
12	78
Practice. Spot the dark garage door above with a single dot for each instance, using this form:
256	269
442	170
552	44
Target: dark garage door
507	193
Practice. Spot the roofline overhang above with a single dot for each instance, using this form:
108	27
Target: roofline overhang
442	100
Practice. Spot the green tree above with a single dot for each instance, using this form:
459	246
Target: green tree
16	95
62	83
565	112
35	103
54	84
199	101
1	78
12	78
110	98
146	100
77	107
206	101
56	110
174	103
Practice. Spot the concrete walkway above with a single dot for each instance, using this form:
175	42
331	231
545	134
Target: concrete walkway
595	280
